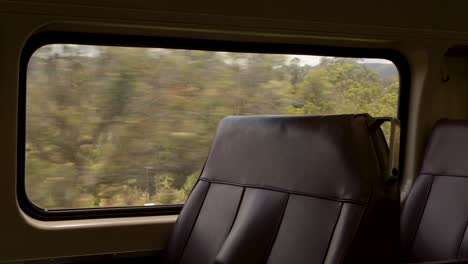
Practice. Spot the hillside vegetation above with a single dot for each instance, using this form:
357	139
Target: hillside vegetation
132	126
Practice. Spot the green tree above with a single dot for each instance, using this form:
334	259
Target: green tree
132	126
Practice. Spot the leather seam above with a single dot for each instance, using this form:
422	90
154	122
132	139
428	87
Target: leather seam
194	222
359	226
422	213
333	233
272	243
335	199
461	240
237	212
443	175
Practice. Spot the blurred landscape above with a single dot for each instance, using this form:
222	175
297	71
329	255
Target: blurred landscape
117	126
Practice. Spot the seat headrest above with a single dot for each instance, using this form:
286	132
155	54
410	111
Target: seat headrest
324	156
447	149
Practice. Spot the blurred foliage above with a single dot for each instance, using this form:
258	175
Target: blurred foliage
132	126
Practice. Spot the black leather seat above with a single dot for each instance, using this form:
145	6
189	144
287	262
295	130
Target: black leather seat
435	215
296	189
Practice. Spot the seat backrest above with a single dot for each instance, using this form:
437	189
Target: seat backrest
288	189
435	215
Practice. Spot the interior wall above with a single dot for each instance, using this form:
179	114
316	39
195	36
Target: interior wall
438	90
453	91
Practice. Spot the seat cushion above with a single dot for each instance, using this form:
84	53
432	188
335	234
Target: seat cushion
435	216
298	189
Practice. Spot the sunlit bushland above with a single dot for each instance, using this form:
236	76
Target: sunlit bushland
113	126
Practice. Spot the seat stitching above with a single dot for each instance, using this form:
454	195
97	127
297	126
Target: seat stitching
359	226
194	222
336	199
443	175
237	210
461	239
422	214
272	242
333	234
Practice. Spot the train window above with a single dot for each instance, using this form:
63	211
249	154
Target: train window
111	126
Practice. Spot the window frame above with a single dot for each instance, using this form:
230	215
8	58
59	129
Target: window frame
40	39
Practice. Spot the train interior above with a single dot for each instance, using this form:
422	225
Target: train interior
233	132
